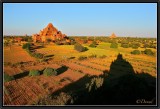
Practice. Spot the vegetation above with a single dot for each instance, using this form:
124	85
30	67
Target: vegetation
135	52
26	46
82	58
79	47
124	45
93	44
94	84
103	56
38	55
50	72
92	56
72	86
34	73
148	52
8	78
135	45
114	45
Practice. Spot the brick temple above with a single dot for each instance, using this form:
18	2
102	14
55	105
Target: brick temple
113	36
50	32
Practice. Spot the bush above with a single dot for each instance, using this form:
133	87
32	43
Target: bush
114	45
79	47
92	56
7	64
93	45
73	42
135	45
7	77
49	72
6	44
95	83
67	43
146	45
26	46
124	45
103	56
135	52
34	73
58	43
148	52
82	58
38	55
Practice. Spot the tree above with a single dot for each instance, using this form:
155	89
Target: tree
50	72
124	45
34	73
135	45
114	45
148	52
7	77
26	46
93	44
135	52
79	47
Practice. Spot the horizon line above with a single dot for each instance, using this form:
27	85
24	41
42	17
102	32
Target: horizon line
86	36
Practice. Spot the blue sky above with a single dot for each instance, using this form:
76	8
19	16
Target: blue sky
82	19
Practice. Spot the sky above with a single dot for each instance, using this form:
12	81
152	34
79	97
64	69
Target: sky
82	19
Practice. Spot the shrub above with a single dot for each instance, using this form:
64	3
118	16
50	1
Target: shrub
135	52
124	45
49	72
92	56
146	45
135	45
79	47
114	45
103	56
29	40
148	52
67	43
26	46
6	43
73	42
38	55
95	83
34	73
92	45
82	58
7	64
58	43
7	77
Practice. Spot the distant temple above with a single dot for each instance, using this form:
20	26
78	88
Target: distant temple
113	36
50	32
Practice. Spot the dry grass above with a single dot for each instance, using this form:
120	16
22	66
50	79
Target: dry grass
16	54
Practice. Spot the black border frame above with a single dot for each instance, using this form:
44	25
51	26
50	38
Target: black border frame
65	1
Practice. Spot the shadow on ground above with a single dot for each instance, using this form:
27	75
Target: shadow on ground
62	69
21	75
118	86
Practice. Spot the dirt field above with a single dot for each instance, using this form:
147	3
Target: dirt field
27	90
16	54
